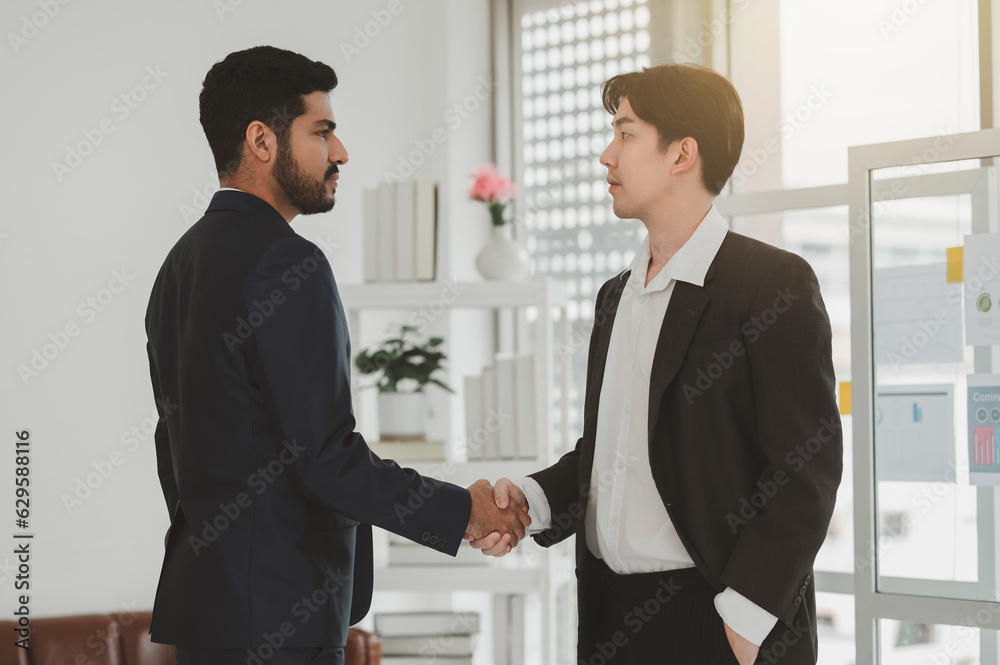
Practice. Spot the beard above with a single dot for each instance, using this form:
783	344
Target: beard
304	192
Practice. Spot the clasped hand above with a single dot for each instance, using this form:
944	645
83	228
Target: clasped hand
499	516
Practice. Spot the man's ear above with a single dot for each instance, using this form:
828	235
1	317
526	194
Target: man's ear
260	143
687	155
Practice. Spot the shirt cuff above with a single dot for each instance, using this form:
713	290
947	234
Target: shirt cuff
538	505
748	620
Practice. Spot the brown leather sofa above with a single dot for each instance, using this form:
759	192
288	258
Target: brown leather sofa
123	639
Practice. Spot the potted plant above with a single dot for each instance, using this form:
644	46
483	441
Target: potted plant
503	258
403	366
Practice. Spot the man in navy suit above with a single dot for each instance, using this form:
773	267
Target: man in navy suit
271	491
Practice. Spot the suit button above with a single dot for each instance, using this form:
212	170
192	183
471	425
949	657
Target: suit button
808	579
434	540
798	600
425	536
441	543
803	590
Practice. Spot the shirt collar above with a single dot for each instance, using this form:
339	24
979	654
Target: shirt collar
228	198
690	263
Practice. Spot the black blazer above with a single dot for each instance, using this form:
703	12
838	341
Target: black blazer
270	490
745	439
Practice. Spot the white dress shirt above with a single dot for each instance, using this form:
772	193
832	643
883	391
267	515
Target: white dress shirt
626	523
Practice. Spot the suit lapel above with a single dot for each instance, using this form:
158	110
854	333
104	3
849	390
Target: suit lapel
604	319
687	303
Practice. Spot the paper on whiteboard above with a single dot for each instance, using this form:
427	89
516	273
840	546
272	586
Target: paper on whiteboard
915	433
917	316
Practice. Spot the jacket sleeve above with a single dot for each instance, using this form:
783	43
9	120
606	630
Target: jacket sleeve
302	348
788	343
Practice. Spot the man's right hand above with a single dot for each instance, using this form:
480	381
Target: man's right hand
497	544
487	518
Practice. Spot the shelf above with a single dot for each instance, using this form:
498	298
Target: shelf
405	295
457	578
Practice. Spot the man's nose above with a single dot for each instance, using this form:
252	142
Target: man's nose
339	153
606	157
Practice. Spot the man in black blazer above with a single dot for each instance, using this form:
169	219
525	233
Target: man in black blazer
271	492
706	476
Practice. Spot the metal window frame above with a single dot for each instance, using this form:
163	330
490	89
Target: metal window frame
872	604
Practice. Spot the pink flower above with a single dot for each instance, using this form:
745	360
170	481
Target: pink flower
489	186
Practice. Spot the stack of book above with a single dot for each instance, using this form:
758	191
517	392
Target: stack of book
422	638
405	552
500	415
401	232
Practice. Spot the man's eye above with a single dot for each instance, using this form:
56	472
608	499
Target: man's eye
623	134
323	133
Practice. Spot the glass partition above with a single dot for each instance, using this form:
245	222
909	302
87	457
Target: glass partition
925	279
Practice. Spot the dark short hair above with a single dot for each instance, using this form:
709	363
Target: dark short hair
261	83
683	100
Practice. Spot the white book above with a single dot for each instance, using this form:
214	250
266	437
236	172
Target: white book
386	232
448	646
371	234
425	233
507	436
525	396
429	660
426	623
474	415
491	448
405	199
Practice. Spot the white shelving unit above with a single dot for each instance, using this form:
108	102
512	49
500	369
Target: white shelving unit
544	571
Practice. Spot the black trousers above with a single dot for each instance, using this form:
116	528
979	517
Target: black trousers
663	618
263	655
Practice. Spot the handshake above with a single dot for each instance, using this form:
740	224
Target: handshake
499	516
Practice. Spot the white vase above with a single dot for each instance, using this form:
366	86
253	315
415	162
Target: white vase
402	416
502	258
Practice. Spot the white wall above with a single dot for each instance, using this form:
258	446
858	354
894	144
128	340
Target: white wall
120	209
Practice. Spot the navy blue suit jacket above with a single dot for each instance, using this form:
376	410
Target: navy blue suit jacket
271	491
